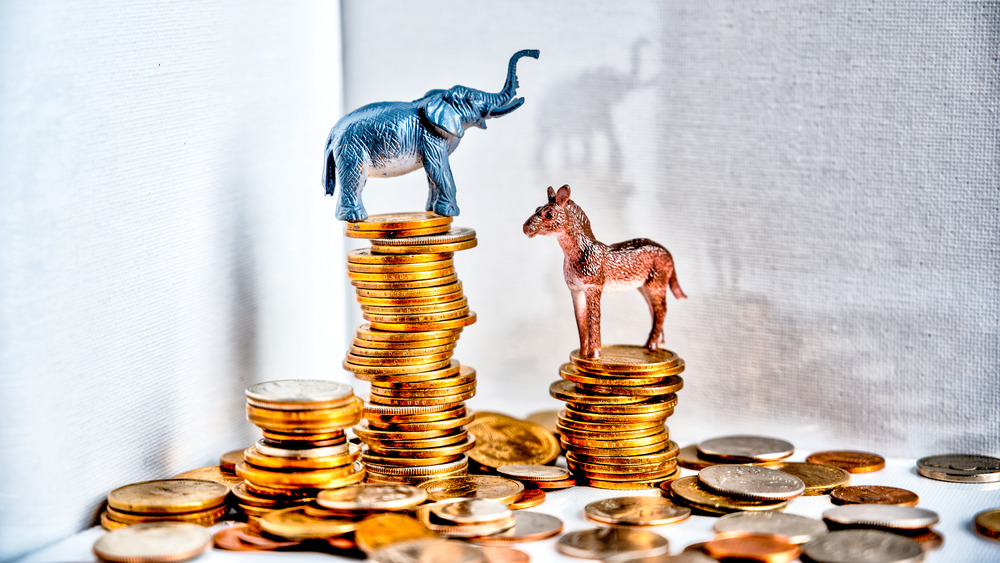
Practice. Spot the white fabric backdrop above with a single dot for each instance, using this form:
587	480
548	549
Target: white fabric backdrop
163	239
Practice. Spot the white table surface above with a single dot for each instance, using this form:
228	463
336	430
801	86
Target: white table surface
957	504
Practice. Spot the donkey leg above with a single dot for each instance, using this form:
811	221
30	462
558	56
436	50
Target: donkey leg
594	321
656	298
580	310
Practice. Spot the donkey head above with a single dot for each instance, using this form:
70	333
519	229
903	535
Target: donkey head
551	218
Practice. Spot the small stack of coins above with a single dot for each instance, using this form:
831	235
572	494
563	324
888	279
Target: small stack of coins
613	427
466	518
166	500
414	427
304	448
721	489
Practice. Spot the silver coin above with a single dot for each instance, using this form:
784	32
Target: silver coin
163	541
601	543
529	472
960	468
863	546
636	511
746	448
427	550
343	449
882	516
471	511
751	481
798	529
299	391
682	557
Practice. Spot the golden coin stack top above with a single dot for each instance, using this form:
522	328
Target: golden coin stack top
304	449
414	427
613	427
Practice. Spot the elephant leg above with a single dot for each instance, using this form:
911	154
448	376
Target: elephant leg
441	198
656	298
353	174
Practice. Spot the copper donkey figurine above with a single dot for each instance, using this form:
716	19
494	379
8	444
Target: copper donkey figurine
591	267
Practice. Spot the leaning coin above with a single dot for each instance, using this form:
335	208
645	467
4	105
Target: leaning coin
881	516
988	523
751	481
768	548
528	526
873	494
381	530
798	529
960	468
863	546
746	448
849	460
369	496
636	511
818	478
601	543
153	543
428	550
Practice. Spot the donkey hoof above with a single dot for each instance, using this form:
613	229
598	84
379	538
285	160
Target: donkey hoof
445	208
351	213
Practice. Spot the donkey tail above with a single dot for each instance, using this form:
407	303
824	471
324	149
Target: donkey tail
675	287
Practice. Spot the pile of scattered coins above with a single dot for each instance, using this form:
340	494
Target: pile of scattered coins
414	422
613	428
304	449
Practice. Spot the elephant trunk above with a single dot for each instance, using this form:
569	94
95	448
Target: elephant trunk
503	102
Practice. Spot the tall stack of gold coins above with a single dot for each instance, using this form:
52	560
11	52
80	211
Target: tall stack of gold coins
613	427
414	427
304	449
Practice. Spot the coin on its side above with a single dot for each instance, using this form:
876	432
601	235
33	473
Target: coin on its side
746	448
528	526
168	496
819	479
863	546
798	529
988	523
873	494
474	486
153	543
881	516
426	550
636	511
751	481
381	530
369	496
960	468
601	543
849	460
502	440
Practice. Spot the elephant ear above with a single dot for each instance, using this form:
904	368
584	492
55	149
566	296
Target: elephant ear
443	116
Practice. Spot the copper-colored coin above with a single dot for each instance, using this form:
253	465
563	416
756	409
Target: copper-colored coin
848	460
399	369
366	332
988	523
767	548
671	384
228	460
602	543
528	526
396	233
456	234
508	441
502	554
689	492
318	478
689	458
818	478
399	221
397	268
212	473
569	372
528	499
400	280
201	517
636	511
153	543
555	485
447	288
381	530
252	534
570	392
929	540
366	256
474	486
167	496
624	358
414	401
108	524
450	324
229	539
401	352
665	455
873	494
415	301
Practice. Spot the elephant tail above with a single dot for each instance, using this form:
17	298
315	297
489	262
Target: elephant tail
330	171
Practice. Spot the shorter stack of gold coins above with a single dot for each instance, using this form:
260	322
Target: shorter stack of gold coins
413	301
467	518
304	449
613	428
166	500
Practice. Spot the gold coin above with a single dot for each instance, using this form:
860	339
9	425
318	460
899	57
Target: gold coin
365	256
689	458
474	486
305	463
655	405
441	470
360	369
632	451
394	361
364	347
245	497
294	524
646	477
437	452
412	429
280	493
672	384
636	511
422	392
466	375
456	234
228	460
819	479
447	399
689	491
168	496
636	485
108	524
440	279
396	233
408	301
570	372
400	353
398	268
378	531
417	292
212	473
414	480
372	497
319	478
530	498
367	434
667	454
366	332
450	439
607	541
988	523
509	441
437	415
311	415
850	461
452	324
545	419
400	277
160	542
583	416
597	470
610	434
417	309
615	444
451	370
380	459
571	393
566	422
202	517
399	221
417	318
416	248
627	359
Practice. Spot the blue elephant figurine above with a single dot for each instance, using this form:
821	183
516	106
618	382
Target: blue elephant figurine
393	138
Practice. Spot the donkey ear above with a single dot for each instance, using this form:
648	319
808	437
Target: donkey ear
443	116
552	195
562	196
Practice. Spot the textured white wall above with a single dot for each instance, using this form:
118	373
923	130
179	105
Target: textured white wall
826	177
163	239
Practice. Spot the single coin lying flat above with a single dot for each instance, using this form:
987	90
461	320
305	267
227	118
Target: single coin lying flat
863	546
960	468
882	516
604	542
746	448
798	529
153	543
751	481
636	511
